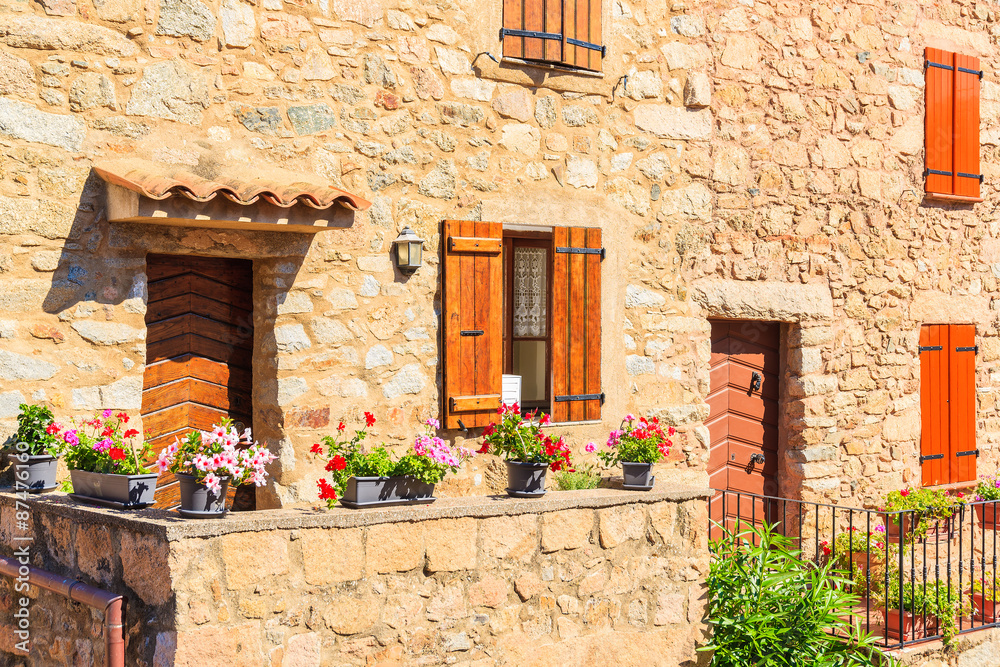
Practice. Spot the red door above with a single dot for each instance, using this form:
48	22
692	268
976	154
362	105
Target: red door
743	416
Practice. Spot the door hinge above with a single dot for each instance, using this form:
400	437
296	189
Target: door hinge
930	348
931	457
971	452
974	348
581	397
582	251
530	34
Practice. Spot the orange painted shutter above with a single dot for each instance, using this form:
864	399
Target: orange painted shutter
472	322
939	121
967	174
582	38
576	324
962	450
542	18
934	386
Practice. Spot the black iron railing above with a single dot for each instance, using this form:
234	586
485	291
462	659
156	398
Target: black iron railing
918	576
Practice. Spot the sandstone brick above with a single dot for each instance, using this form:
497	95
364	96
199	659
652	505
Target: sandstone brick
451	544
567	529
618	525
395	547
669	609
510	537
332	555
145	567
250	558
350	616
303	650
489	591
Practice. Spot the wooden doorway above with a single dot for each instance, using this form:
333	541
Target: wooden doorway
743	418
199	353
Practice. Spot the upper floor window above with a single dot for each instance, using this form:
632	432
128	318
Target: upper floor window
563	32
951	126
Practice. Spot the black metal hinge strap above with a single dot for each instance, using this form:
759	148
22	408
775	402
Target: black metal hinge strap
930	348
974	348
588	45
978	177
928	63
582	251
937	171
977	72
971	452
581	397
531	34
931	457
472	332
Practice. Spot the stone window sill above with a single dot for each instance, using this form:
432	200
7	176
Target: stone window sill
564	69
961	199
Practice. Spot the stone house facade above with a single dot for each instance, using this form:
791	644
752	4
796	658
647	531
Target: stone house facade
757	162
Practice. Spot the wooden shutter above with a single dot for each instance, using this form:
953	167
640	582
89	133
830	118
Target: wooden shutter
966	117
582	40
473	315
962	450
576	324
542	19
948	450
939	121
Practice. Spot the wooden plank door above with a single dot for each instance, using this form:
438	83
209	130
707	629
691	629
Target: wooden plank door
743	417
199	349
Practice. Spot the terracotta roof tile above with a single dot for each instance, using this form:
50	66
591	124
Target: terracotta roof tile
275	186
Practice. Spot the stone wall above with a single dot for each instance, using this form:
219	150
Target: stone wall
574	578
753	148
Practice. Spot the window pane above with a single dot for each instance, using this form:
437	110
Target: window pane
530	290
529	363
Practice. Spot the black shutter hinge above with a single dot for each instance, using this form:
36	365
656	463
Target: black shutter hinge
530	34
928	63
583	251
931	457
971	452
977	72
472	332
581	397
978	177
974	348
937	172
930	348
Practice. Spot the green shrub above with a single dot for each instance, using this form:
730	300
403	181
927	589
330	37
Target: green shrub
769	607
571	480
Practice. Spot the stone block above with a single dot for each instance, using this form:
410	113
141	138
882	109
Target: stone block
697	90
186	18
620	524
332	555
451	544
510	537
145	567
23	121
251	558
566	529
397	547
350	616
489	591
669	609
61	34
304	650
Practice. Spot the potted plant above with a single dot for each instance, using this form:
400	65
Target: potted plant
104	465
363	478
38	445
861	556
921	610
205	463
637	445
987	495
527	452
920	514
983	595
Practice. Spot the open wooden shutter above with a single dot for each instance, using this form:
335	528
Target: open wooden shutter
934	464
939	121
948	449
962	450
582	40
576	324
966	161
532	29
473	316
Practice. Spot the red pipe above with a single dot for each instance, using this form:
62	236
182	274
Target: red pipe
114	640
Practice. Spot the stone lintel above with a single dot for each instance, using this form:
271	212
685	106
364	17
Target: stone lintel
771	301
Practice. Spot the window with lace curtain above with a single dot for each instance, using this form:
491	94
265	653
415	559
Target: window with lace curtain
528	315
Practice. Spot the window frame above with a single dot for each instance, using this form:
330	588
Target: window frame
545	36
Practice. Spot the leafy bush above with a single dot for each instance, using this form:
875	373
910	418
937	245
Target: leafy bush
636	441
922	507
988	488
988	587
572	480
769	606
37	430
932	598
519	438
104	444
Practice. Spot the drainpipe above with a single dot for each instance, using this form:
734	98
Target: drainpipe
111	604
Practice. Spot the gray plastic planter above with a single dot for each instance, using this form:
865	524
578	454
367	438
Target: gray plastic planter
637	474
386	491
37	474
526	480
130	491
197	502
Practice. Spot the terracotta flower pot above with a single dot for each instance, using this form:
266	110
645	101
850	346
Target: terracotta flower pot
123	491
386	491
914	627
197	501
983	609
938	530
526	480
987	515
35	475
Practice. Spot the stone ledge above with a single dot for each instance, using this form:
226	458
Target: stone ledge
170	527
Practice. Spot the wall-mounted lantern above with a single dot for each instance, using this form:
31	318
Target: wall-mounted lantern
409	250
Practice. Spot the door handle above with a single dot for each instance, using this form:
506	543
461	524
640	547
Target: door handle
757	458
755	381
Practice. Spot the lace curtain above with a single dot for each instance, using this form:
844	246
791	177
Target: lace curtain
530	290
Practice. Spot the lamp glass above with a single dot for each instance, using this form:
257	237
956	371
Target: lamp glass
416	253
403	254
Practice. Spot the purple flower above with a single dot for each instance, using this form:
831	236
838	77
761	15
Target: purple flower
103	445
71	438
106	414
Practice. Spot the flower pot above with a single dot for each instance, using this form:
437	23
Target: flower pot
860	563
35	475
197	502
938	530
122	491
637	475
983	609
987	515
914	626
526	480
386	491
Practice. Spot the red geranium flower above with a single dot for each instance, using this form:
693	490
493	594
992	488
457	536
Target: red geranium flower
107	432
341	426
339	462
369	419
131	432
316	448
123	417
52	429
326	492
117	454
